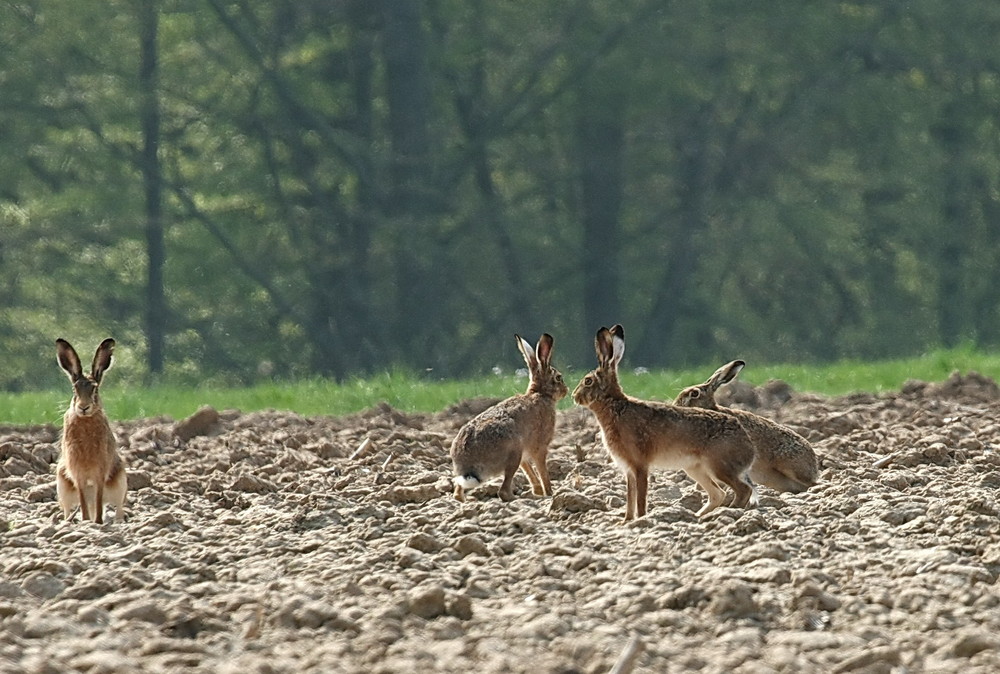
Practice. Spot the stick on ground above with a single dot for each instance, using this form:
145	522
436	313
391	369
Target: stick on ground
626	661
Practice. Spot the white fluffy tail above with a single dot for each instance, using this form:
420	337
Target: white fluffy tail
467	481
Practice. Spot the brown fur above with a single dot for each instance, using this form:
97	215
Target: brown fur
784	460
711	447
89	467
514	432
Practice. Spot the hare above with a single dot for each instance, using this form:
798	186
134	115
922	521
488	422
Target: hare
711	447
784	460
514	432
89	467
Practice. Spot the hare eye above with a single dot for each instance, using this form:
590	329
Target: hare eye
588	381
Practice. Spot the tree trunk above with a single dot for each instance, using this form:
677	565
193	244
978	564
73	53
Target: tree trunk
663	332
600	138
156	306
419	258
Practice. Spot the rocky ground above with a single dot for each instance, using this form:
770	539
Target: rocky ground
270	542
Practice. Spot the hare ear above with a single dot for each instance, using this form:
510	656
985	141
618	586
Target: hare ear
544	349
618	344
602	345
102	359
725	374
528	352
610	347
68	360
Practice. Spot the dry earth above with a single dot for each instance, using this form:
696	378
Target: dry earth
259	543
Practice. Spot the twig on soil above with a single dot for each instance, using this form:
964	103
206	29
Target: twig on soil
386	462
885	460
365	444
626	661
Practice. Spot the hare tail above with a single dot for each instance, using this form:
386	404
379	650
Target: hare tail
467	481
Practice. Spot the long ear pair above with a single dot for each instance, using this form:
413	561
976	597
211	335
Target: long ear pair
69	361
610	347
538	357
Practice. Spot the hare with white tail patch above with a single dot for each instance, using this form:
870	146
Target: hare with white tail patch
711	447
514	432
784	460
89	470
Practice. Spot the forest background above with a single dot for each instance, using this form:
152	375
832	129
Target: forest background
246	190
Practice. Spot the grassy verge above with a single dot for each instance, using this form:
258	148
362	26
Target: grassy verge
414	394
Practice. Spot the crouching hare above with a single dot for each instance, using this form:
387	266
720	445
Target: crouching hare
90	471
711	447
514	432
785	461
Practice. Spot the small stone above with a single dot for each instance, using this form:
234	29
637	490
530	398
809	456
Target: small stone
427	602
418	494
424	543
471	545
42	493
460	606
138	479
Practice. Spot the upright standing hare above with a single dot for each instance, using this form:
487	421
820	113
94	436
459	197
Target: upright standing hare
784	460
514	432
89	467
711	447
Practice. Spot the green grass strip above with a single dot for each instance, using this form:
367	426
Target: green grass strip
412	393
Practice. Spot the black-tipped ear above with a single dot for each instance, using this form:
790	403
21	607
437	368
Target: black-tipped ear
544	349
602	345
524	346
102	359
68	360
725	374
617	344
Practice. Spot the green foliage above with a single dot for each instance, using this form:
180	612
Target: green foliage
411	393
355	187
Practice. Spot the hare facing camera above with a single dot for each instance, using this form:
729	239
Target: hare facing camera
90	471
515	432
711	447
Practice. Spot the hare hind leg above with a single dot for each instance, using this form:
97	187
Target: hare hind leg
529	472
506	492
636	490
543	474
716	494
115	495
744	491
99	503
67	494
641	491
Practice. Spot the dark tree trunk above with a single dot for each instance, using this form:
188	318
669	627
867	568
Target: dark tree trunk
156	306
662	339
600	137
419	259
952	299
